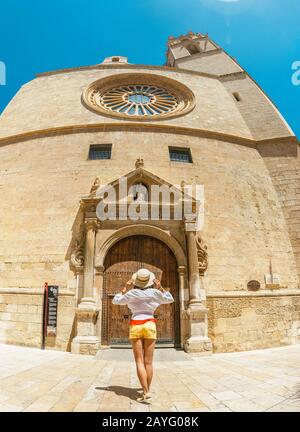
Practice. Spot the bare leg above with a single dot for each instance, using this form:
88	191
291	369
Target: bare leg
137	346
149	345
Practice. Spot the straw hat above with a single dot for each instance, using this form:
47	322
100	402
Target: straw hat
143	278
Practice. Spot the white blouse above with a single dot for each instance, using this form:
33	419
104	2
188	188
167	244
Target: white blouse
143	302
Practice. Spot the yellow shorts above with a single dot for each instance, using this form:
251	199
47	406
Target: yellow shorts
143	331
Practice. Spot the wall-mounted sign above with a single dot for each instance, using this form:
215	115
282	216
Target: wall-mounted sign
50	311
272	280
253	285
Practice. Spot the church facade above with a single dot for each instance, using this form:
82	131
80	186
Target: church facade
66	140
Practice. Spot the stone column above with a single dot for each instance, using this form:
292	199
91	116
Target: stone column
183	312
88	270
198	341
181	275
194	278
87	341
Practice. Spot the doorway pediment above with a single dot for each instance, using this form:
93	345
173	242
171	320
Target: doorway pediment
142	187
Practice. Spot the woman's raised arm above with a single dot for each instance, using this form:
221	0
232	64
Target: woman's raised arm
162	295
121	298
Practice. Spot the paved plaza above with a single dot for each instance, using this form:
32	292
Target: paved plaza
262	380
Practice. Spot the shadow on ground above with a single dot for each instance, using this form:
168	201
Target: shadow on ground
296	396
122	391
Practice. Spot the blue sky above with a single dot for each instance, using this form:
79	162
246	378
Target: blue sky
263	35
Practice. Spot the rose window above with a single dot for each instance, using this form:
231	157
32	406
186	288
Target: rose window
138	97
138	100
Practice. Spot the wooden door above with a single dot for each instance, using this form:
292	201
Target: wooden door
125	258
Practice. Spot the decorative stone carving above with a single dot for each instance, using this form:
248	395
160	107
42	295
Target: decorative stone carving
78	249
95	186
92	224
87	316
139	163
202	255
139	193
142	98
77	255
138	100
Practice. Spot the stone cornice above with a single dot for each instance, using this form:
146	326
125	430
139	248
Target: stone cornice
33	291
233	76
260	293
127	66
212	295
132	127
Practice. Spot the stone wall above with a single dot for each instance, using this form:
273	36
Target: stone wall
215	109
243	226
214	62
261	116
253	322
21	317
283	163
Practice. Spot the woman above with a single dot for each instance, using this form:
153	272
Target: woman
143	294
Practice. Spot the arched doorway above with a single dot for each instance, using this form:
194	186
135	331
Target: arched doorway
124	258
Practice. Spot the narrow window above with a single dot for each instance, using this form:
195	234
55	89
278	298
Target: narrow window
180	155
100	151
237	96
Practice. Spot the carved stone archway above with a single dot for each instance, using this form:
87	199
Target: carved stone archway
141	229
96	239
103	246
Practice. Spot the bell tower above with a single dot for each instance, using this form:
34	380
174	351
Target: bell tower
199	53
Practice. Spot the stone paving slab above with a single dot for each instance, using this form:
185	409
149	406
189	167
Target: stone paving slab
262	380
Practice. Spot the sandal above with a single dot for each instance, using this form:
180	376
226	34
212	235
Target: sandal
145	398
